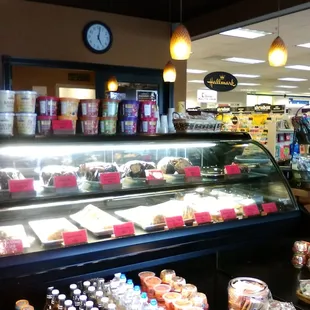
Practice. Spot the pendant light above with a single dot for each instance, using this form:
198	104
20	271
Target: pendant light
180	41
169	73
277	55
112	84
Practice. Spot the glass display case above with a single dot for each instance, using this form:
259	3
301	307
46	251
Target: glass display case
72	196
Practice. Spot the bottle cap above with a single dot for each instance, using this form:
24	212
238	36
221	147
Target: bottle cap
153	302
129	281
123	277
99	293
62	297
83	298
136	288
111	306
72	308
105	300
55	292
77	292
73	287
117	275
68	303
144	295
86	283
89	304
95	308
91	289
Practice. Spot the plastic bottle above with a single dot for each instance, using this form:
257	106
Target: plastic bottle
153	304
144	301
89	304
104	303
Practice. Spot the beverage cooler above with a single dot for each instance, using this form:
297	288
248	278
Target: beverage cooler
75	208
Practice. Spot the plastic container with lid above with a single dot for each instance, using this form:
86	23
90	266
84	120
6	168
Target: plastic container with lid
129	108
47	105
6	124
44	124
25	101
69	106
21	303
109	107
143	275
150	283
148	125
7	99
73	119
89	125
160	290
26	123
181	304
89	107
108	125
147	109
128	125
188	290
169	298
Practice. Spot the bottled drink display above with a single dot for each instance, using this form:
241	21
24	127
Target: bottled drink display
152	293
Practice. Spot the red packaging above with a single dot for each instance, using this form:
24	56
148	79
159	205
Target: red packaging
44	124
148	125
47	105
147	109
89	107
89	125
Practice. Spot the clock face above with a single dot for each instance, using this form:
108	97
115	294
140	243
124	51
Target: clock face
97	37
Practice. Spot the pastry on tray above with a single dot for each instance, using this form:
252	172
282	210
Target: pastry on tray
173	165
136	168
7	174
48	173
91	171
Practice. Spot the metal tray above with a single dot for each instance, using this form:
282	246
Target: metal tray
95	220
44	228
16	232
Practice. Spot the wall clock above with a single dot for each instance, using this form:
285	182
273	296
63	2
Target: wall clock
97	37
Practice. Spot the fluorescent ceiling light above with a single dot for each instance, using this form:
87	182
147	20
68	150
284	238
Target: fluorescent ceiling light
306	45
196	81
248	90
250	76
292	79
279	91
244	60
248	84
195	71
245	33
307	94
286	86
298	67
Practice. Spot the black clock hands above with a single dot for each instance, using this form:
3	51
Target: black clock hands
98	37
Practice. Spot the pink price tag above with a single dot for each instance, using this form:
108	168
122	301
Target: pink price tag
270	207
65	124
65	181
154	174
251	210
18	186
74	237
11	247
123	230
232	169
193	171
228	214
202	217
174	221
109	178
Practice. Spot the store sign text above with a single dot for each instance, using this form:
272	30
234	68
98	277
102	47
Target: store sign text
220	81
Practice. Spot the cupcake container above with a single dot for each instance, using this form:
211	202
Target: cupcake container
6	124
109	108
26	123
89	107
129	108
147	109
148	125
47	105
108	125
128	125
25	101
7	99
69	107
89	125
44	124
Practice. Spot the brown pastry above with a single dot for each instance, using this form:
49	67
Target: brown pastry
172	165
136	168
49	172
158	219
92	170
57	235
9	174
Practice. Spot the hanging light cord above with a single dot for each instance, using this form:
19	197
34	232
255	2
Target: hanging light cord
279	18
181	9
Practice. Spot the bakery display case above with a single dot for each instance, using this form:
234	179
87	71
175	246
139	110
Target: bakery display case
68	202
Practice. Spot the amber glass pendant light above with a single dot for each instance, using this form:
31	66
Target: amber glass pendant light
169	74
180	41
112	84
277	55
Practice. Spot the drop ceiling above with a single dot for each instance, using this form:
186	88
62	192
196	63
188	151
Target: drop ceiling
208	55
